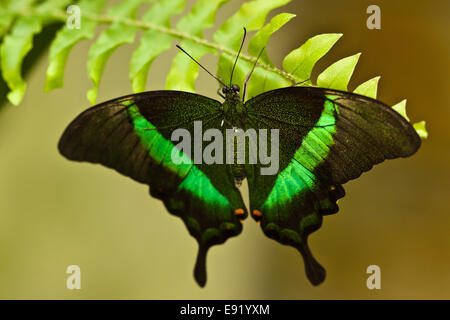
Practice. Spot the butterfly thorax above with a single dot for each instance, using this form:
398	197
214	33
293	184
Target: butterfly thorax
234	118
233	110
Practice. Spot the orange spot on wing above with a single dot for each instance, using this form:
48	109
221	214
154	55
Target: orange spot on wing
332	188
257	213
239	212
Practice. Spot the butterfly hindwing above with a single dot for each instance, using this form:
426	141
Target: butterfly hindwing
326	137
132	135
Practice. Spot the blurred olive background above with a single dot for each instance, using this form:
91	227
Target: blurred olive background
54	213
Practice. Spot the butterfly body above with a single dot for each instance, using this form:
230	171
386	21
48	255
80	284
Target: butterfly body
233	110
326	138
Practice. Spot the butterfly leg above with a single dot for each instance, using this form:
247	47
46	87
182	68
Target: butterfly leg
220	93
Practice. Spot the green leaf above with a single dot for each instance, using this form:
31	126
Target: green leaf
337	76
183	74
261	38
19	42
241	71
418	126
184	71
420	129
152	43
15	47
6	19
66	40
401	108
250	15
118	34
263	80
7	14
368	88
300	62
45	8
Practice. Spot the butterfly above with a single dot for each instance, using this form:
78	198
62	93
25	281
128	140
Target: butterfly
326	138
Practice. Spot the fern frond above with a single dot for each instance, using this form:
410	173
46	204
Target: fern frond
421	129
368	88
337	76
19	41
401	108
66	39
250	15
109	40
152	43
261	38
21	20
301	61
8	11
184	71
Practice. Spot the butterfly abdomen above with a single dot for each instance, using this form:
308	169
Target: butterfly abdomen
240	156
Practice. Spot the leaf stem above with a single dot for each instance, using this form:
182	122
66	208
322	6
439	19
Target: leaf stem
102	18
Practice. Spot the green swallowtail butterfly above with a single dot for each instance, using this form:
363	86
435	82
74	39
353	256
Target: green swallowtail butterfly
326	138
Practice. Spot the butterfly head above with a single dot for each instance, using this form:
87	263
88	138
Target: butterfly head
233	106
233	90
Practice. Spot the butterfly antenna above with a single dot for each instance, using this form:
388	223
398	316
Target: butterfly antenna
220	81
237	57
251	72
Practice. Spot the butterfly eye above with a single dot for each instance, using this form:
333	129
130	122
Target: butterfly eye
235	88
225	90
